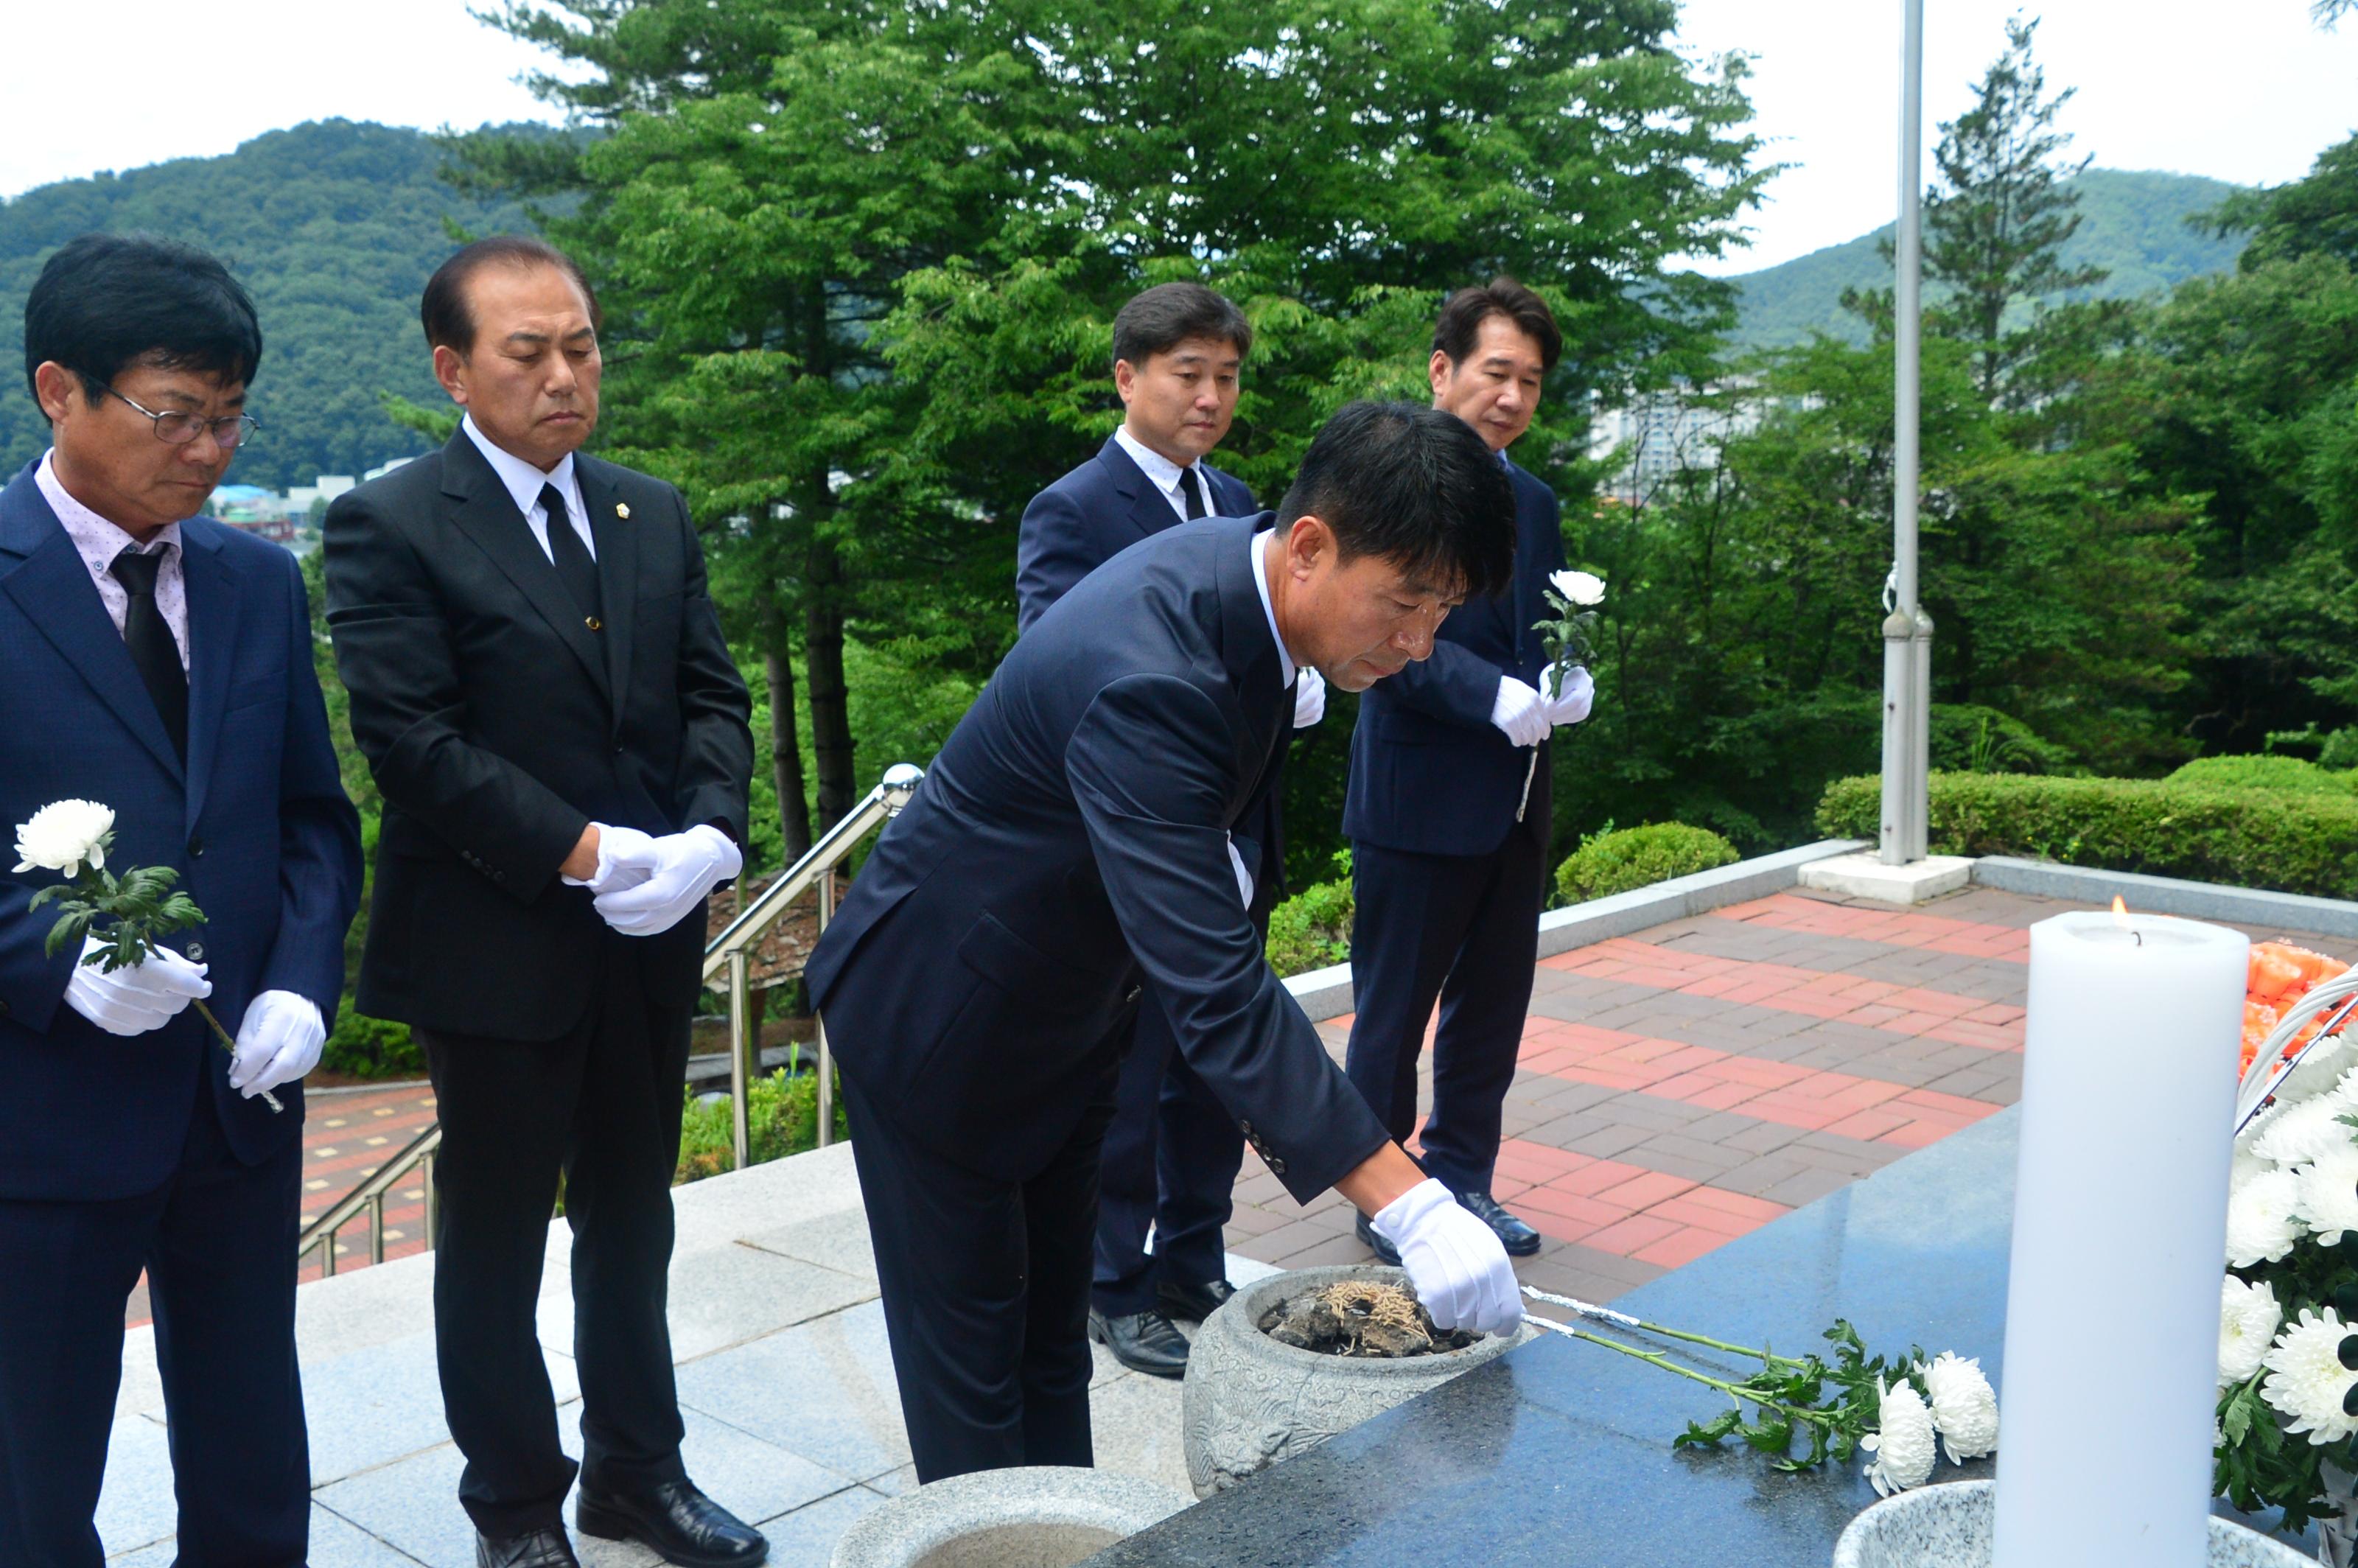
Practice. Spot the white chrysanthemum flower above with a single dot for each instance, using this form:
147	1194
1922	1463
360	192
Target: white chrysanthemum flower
62	834
2306	1132
2262	1223
2248	1320
1583	589
2328	1194
2326	1069
1965	1407
2306	1380
1902	1441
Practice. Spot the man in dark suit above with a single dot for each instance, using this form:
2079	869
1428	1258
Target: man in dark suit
1170	1155
539	681
1448	805
160	663
1072	842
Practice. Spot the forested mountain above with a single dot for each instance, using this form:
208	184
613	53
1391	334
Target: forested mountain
334	226
2134	226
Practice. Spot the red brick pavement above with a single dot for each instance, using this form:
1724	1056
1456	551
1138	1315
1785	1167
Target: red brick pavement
1680	1087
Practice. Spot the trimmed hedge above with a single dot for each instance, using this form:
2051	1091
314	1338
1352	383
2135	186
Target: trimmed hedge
2275	772
1313	929
782	1119
2289	840
1638	856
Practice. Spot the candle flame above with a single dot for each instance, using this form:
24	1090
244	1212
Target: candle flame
2120	911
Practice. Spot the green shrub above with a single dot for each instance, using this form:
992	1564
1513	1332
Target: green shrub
1312	930
2273	772
1615	862
2340	749
365	1047
782	1111
1972	738
2288	840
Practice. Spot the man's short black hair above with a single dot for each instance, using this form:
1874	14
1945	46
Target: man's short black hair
1460	324
1168	314
449	324
106	301
1415	486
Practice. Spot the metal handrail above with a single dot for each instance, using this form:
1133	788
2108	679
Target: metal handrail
729	953
418	1154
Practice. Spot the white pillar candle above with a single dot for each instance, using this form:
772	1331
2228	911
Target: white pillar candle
2120	1222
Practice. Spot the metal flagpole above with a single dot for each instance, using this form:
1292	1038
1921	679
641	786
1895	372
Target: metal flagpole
1907	630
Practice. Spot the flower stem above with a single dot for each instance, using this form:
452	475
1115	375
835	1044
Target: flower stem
1588	1309
1735	1391
230	1046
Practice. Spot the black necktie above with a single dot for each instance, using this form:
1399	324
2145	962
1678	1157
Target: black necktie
153	652
1193	487
576	567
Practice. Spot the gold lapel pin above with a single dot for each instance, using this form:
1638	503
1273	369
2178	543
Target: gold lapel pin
620	510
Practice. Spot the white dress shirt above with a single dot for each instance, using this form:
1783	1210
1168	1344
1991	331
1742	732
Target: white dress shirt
1164	474
98	541
524	483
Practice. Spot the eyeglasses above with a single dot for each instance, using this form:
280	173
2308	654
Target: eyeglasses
175	428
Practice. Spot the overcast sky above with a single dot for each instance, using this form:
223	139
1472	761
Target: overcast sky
2248	92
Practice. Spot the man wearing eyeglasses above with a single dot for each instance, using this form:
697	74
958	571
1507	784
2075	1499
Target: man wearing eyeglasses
160	663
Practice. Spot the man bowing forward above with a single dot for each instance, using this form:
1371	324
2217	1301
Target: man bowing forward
1074	840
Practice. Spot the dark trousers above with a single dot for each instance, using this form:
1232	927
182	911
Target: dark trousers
601	1104
1170	1162
218	1242
1464	928
985	1287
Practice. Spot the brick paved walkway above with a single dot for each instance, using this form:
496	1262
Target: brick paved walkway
1680	1087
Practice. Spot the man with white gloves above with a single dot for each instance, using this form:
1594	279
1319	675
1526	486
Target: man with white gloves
540	683
156	684
1448	806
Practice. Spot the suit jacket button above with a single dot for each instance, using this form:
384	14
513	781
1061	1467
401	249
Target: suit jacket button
1133	993
195	952
196	849
1276	1166
1246	1128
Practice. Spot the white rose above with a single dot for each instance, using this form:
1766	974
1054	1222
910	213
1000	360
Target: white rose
62	834
1583	589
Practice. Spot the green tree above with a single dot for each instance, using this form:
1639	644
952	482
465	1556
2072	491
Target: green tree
2316	215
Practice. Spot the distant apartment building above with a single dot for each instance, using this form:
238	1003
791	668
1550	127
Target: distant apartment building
1659	434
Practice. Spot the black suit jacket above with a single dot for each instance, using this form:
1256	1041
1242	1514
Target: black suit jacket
498	725
1430	772
981	980
1083	521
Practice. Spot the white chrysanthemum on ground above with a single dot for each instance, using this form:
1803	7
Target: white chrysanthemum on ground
2306	1380
2306	1132
1965	1407
2328	1194
62	834
1578	588
1902	1441
2262	1223
2248	1320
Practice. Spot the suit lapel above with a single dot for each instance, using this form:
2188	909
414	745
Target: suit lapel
1149	513
53	589
1249	651
487	513
617	538
213	616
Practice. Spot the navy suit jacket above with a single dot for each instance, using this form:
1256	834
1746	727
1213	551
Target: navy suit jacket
256	823
1083	521
982	977
1430	772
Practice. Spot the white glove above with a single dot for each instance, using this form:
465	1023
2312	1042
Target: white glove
1579	696
1309	698
1244	877
1520	712
139	997
625	859
680	869
1460	1271
277	1042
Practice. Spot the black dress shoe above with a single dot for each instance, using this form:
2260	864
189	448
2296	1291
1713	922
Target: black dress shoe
533	1549
1519	1239
1146	1342
1193	1303
679	1523
1375	1243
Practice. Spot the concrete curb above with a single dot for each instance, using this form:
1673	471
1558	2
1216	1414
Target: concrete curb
2170	895
1326	993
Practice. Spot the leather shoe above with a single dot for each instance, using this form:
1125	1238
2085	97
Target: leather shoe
1193	1303
678	1522
1519	1239
1376	1243
533	1549
1146	1342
